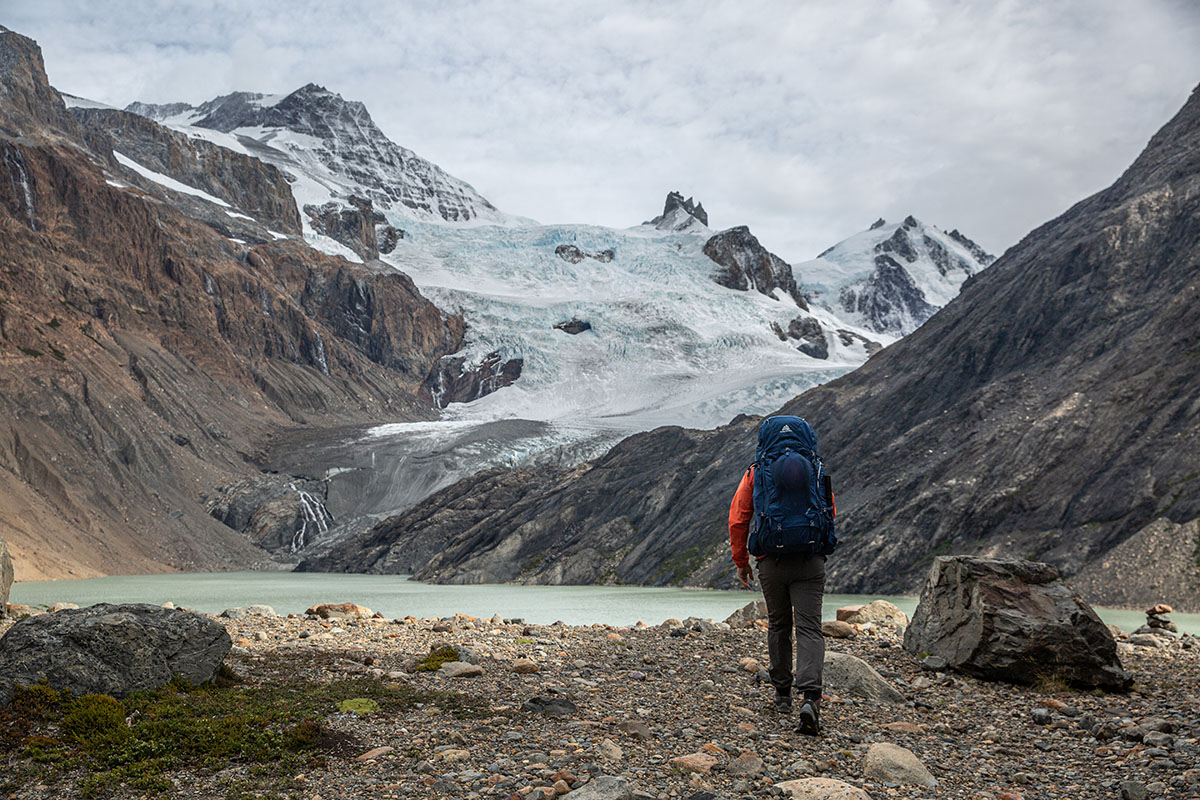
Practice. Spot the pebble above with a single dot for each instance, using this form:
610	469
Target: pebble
609	750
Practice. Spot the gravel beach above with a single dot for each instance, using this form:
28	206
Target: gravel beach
679	710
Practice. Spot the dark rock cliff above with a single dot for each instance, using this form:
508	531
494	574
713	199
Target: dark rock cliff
746	265
145	358
252	187
1050	411
357	225
458	381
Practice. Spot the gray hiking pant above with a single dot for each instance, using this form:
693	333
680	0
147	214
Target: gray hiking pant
792	585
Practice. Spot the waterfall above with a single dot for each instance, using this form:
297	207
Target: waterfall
314	514
16	160
319	354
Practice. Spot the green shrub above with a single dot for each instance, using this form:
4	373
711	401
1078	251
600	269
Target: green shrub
95	720
274	730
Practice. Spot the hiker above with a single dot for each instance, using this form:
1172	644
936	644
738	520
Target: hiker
790	500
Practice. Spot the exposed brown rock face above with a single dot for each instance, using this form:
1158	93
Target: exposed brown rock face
6	576
457	381
388	237
145	357
746	265
252	187
353	226
29	104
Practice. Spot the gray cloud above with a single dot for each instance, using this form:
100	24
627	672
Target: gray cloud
804	120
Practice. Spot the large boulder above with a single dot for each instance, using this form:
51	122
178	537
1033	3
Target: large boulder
111	649
879	612
6	576
847	673
747	615
889	762
1012	620
821	789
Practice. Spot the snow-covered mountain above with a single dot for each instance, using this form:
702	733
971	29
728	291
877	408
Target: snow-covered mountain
331	149
892	277
585	333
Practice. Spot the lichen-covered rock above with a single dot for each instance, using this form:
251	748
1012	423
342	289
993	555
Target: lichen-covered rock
605	787
111	649
244	612
1011	620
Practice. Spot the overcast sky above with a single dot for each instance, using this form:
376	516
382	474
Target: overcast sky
803	120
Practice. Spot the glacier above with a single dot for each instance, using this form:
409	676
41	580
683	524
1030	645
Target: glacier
667	344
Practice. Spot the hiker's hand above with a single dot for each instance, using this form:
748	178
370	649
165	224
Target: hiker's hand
746	576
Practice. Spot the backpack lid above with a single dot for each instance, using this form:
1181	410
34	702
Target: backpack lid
774	430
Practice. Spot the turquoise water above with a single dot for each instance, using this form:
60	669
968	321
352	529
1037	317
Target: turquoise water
396	596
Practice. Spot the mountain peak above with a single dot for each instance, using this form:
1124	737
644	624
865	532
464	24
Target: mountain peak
680	214
315	130
31	105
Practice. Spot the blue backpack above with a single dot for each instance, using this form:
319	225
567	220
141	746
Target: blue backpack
793	496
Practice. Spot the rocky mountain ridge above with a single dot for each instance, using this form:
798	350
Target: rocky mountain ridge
1048	411
338	141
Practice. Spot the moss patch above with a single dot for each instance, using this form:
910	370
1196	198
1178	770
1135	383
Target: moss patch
106	747
437	656
358	705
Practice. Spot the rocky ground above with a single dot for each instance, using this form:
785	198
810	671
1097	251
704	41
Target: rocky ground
679	711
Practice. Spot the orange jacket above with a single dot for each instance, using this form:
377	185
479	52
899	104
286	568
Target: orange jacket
741	511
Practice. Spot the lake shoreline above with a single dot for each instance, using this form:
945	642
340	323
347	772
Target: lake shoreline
399	595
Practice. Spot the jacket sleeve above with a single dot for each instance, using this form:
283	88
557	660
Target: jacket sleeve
741	511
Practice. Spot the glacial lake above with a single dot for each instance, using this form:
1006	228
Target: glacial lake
396	596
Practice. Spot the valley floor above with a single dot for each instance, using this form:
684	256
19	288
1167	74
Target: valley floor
471	737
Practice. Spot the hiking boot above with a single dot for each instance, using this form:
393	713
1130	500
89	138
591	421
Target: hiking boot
783	703
810	715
